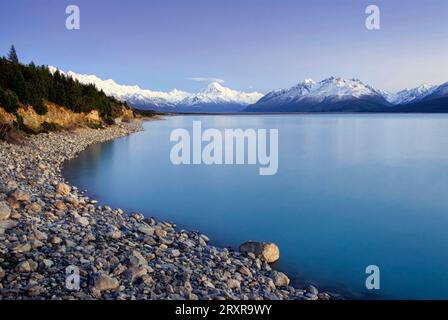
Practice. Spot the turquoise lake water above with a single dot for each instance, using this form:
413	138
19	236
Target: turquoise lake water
350	191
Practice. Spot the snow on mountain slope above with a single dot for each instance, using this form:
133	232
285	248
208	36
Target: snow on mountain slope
134	95
411	95
440	91
330	88
331	94
215	94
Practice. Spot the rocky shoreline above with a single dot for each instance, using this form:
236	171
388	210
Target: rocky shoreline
47	226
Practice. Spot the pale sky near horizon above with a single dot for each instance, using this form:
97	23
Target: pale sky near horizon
250	44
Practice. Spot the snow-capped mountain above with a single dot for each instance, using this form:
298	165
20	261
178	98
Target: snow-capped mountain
328	88
331	94
216	94
430	99
411	95
214	98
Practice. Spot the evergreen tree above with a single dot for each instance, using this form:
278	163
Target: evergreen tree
9	100
18	84
40	107
12	56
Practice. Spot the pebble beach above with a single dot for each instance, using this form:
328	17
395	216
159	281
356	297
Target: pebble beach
47	225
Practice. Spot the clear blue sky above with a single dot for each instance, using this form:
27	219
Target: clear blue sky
251	44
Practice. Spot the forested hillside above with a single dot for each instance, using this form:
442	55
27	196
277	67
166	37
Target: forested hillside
36	85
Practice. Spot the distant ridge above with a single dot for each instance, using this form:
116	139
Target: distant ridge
342	95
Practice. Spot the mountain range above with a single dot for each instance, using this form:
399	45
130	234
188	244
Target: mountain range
342	95
329	95
214	98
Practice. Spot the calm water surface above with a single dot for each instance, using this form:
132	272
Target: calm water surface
351	191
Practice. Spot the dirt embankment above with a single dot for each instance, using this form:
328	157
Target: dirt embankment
59	116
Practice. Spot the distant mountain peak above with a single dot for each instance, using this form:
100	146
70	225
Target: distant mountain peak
216	94
215	86
308	95
308	82
337	86
331	87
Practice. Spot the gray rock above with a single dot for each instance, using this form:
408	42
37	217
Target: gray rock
134	273
233	284
160	232
83	221
35	291
311	296
20	195
24	267
34	207
280	279
175	253
10	186
55	240
245	270
47	263
136	259
21	248
146	230
5	211
312	289
138	216
186	275
324	296
6	225
39	235
114	233
104	282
